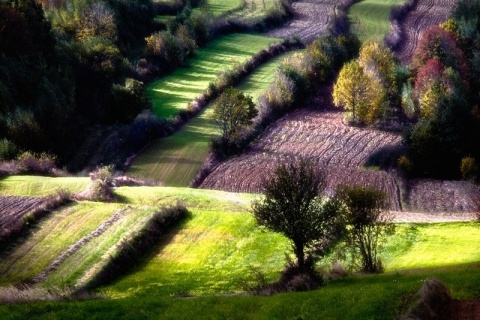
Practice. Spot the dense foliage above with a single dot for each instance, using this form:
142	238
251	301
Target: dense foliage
233	111
445	97
62	75
367	85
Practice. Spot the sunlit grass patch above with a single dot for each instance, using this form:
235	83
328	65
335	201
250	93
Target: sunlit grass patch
370	18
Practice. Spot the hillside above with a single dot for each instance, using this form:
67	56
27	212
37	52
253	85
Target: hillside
211	252
112	101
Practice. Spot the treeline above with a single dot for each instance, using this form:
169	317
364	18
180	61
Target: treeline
71	74
62	75
442	99
169	48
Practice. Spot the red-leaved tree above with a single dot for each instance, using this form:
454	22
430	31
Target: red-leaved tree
440	44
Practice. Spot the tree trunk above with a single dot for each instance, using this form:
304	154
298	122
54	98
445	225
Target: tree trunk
299	253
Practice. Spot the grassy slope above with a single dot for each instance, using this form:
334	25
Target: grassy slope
371	17
173	92
88	260
262	77
379	297
175	160
40	186
53	236
210	253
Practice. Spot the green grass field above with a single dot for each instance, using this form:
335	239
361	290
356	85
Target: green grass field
371	18
164	18
245	10
379	297
259	80
40	186
219	7
175	160
172	93
53	236
209	254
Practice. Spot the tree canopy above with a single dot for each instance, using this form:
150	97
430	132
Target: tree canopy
232	111
292	206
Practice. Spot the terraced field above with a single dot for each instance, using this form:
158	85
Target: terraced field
371	18
311	18
176	160
219	7
172	93
53	236
427	13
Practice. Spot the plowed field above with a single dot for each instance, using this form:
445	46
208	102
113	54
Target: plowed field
311	17
13	209
427	13
339	150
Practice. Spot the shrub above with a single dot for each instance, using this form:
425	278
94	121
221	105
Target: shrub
370	223
100	186
42	163
469	168
405	164
128	100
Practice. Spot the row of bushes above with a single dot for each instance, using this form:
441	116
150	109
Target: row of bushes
396	37
167	50
131	250
296	78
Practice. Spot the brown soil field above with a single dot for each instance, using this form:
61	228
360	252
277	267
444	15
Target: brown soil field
14	208
311	17
339	150
427	13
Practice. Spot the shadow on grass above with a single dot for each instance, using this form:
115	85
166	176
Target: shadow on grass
138	253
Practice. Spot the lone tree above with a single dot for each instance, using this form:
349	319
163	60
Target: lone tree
292	206
370	223
232	111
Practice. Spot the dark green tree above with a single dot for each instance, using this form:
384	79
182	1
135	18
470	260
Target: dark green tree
292	206
232	111
369	221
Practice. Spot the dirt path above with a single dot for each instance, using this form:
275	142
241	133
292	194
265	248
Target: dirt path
400	216
427	13
311	17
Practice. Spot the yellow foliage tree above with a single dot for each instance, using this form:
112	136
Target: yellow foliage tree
358	93
378	61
